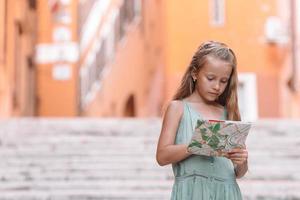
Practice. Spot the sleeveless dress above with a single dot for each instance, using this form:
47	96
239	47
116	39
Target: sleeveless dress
201	177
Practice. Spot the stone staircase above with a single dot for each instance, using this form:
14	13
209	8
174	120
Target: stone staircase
274	160
89	159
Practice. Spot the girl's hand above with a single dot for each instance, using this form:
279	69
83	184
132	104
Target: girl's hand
238	156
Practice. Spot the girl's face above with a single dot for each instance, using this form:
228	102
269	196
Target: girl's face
212	78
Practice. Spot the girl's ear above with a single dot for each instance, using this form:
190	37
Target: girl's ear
194	75
194	78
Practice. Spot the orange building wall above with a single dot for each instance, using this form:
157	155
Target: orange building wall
154	30
149	61
55	97
2	60
137	69
125	77
17	34
135	72
290	100
245	35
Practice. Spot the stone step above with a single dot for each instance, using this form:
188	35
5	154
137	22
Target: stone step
79	194
70	140
94	175
270	189
86	184
250	190
115	159
80	126
34	173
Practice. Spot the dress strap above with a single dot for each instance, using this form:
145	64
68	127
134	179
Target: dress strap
186	106
225	113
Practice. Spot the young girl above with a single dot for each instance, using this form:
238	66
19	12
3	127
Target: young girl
208	90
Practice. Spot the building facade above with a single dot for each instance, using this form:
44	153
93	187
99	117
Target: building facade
125	58
264	39
17	69
96	58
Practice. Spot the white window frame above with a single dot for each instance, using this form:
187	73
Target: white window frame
217	13
89	29
137	8
83	84
108	34
247	96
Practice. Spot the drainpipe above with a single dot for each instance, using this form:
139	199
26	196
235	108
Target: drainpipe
292	80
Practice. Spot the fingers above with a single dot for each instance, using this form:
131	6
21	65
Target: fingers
238	156
237	150
238	161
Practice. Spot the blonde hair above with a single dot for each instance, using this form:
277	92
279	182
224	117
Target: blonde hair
221	51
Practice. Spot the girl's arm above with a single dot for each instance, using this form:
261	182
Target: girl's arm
241	170
167	152
239	157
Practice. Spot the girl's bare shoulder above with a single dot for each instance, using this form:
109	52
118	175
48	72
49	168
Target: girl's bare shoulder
175	107
172	117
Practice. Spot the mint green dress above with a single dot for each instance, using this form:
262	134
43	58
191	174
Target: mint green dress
201	177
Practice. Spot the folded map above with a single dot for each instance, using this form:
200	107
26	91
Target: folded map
217	137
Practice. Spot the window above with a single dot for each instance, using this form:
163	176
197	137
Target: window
103	53
16	88
247	96
110	44
137	7
217	12
129	10
122	19
91	72
85	8
117	30
100	58
32	4
83	84
91	18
